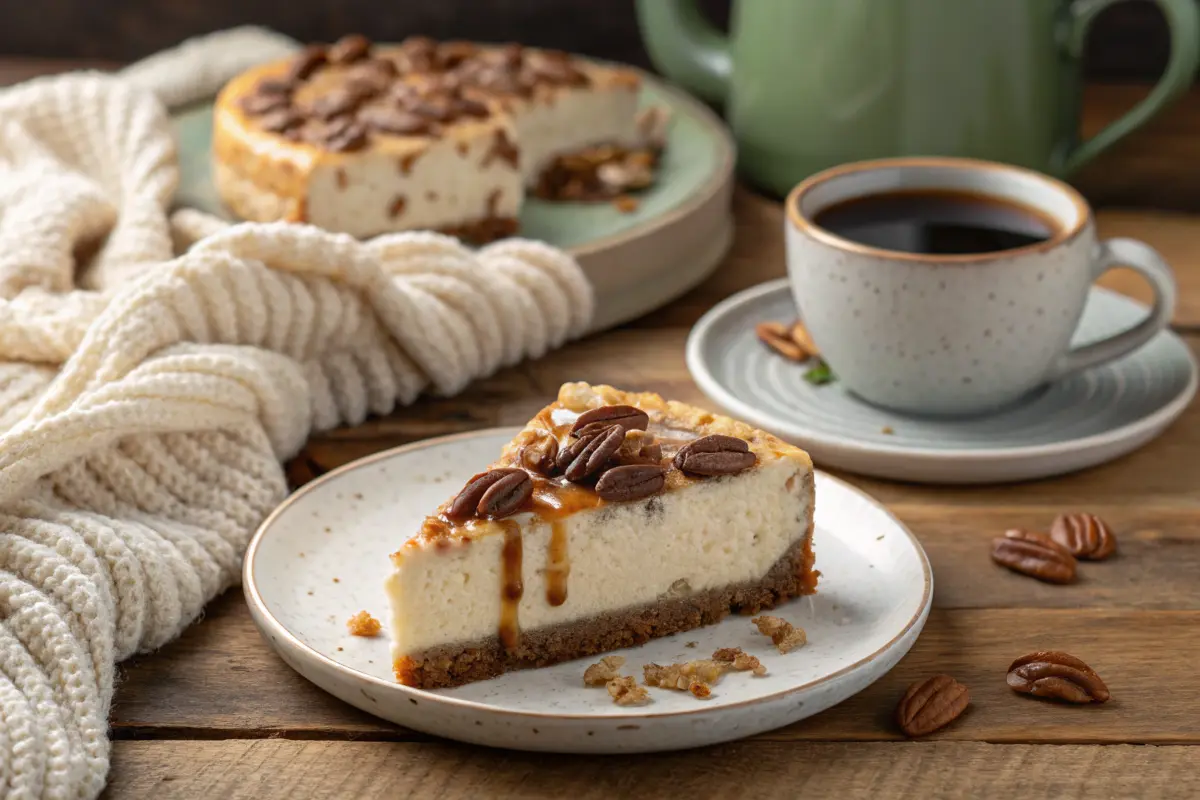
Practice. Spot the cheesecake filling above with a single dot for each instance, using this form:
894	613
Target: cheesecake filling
541	569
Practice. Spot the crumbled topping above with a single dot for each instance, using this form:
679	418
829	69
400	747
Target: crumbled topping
603	671
363	624
691	644
786	636
696	677
740	660
625	691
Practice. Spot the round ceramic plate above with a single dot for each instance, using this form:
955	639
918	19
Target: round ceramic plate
323	556
1080	421
680	231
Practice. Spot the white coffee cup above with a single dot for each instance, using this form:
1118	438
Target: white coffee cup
957	334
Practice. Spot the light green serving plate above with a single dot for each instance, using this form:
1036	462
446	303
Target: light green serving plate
637	261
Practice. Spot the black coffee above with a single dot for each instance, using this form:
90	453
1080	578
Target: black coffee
936	222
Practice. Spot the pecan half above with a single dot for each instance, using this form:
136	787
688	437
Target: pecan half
467	503
715	455
1058	676
539	455
931	704
1035	555
803	339
594	454
258	104
349	49
394	121
778	337
304	65
631	482
597	419
506	496
1085	535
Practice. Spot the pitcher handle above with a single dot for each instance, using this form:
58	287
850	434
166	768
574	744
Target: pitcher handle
686	47
1184	22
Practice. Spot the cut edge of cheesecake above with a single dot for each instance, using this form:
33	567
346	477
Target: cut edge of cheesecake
594	576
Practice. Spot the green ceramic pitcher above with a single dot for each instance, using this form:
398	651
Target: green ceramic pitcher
808	84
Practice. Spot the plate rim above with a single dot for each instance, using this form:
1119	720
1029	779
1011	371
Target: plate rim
714	389
270	627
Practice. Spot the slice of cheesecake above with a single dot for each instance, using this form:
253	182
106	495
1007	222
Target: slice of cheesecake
611	519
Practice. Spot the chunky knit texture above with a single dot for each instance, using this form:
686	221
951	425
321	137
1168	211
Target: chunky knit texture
147	398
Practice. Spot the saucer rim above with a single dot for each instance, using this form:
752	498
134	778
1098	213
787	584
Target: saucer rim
713	388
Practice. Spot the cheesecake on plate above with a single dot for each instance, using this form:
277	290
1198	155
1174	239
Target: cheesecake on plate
367	139
612	518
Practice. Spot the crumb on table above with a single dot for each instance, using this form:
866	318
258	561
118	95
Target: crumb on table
363	624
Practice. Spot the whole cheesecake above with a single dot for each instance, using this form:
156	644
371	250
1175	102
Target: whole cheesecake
611	519
442	136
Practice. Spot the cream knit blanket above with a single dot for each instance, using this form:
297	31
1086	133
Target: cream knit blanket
147	398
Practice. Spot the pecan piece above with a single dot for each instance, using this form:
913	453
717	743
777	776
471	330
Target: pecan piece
778	337
394	121
715	455
1085	535
348	49
258	104
631	482
539	456
467	503
304	65
803	339
931	704
639	447
1058	676
506	496
596	450
1035	555
597	419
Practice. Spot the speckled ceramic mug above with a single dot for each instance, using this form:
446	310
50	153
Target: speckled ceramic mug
958	334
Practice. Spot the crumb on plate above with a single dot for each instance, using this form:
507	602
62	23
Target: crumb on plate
786	636
363	624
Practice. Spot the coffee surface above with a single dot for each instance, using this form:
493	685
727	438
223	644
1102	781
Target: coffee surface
936	222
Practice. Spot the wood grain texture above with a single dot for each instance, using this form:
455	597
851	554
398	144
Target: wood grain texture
282	770
221	680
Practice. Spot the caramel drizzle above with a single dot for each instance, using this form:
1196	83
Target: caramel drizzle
558	566
512	587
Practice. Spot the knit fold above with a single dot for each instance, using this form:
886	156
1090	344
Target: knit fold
147	397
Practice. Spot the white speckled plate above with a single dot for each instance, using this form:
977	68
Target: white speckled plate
322	556
1080	421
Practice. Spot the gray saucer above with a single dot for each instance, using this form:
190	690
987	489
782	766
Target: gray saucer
1080	421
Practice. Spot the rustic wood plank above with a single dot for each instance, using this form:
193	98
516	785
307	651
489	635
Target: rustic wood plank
1155	567
186	690
263	770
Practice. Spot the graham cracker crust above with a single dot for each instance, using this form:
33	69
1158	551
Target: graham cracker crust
453	665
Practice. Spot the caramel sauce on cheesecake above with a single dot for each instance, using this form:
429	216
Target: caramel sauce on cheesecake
552	501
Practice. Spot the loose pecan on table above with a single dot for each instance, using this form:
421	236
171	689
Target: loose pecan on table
1085	535
777	336
1057	676
931	704
1035	555
715	455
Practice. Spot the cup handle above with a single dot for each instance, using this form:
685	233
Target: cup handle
1143	258
1183	19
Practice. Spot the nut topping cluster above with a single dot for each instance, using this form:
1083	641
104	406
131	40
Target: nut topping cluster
608	448
412	90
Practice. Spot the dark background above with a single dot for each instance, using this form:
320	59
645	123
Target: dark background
1128	43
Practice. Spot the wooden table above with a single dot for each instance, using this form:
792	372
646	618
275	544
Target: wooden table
216	714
